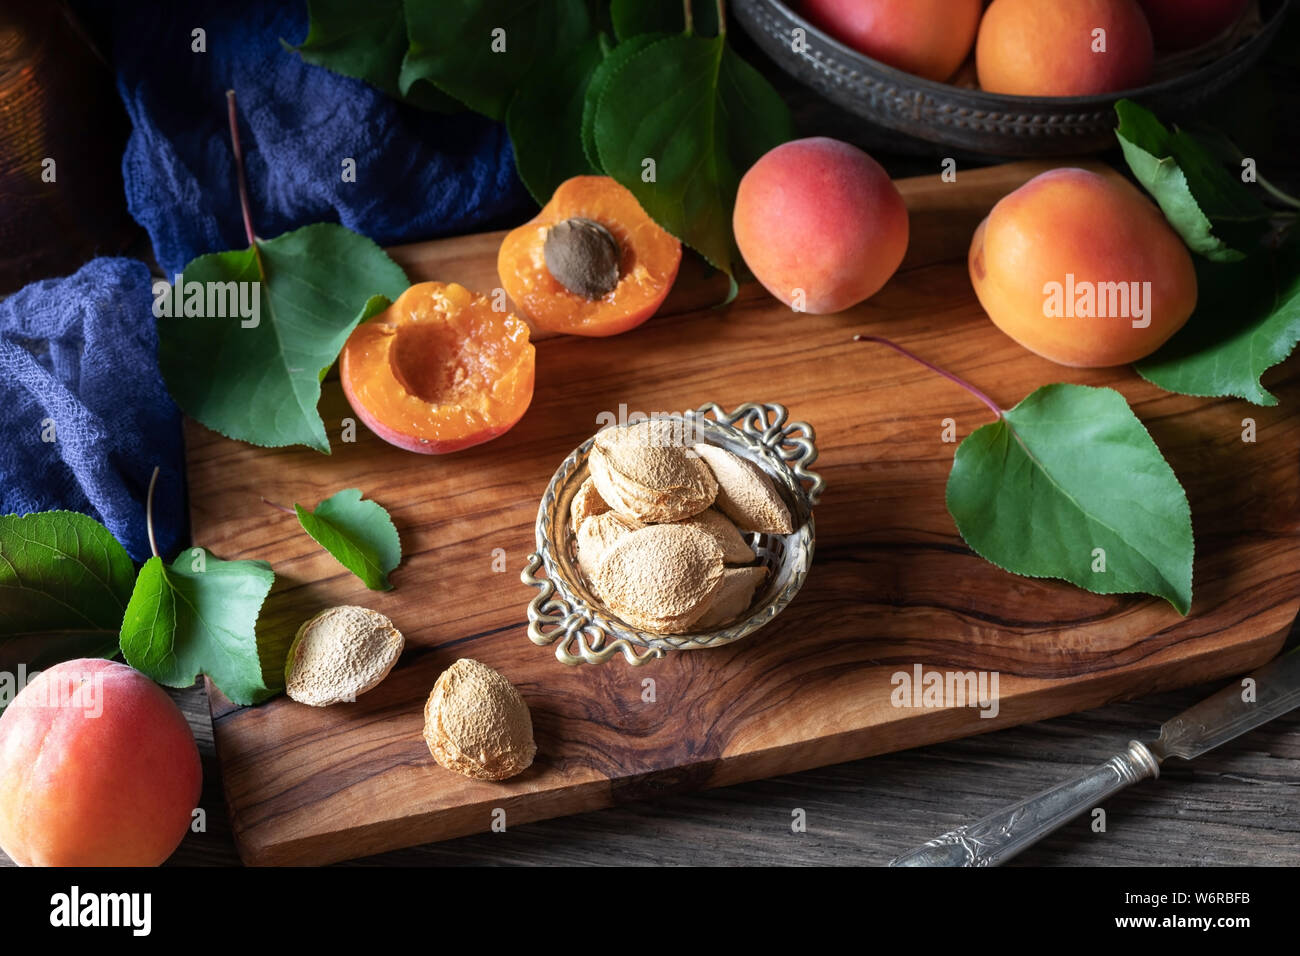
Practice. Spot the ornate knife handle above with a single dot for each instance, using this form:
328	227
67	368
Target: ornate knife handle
1000	836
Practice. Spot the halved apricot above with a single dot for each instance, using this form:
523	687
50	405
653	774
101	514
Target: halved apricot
590	224
439	370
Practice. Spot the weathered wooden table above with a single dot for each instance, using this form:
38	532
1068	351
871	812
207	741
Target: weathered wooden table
1236	806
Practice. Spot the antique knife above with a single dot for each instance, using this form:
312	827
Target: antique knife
1231	712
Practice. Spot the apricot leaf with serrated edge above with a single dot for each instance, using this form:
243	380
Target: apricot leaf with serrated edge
1247	320
262	384
1068	470
64	585
358	533
480	51
1214	212
606	68
367	42
703	115
545	119
199	616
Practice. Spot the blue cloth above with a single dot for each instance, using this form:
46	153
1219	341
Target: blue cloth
418	174
81	352
83	412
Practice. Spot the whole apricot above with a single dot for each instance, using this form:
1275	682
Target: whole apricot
928	38
1082	269
1063	47
97	768
820	224
1183	24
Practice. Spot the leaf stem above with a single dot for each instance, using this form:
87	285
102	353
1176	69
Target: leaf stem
148	512
244	205
688	15
287	511
722	18
993	406
1283	197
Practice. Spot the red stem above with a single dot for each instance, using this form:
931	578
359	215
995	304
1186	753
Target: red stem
934	368
287	511
244	204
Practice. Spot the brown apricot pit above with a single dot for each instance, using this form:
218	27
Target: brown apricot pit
583	257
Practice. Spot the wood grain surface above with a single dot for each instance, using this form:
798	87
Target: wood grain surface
892	584
1235	806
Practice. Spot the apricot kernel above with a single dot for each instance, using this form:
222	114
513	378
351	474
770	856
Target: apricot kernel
340	654
583	257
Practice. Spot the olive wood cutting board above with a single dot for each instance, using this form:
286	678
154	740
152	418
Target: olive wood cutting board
892	585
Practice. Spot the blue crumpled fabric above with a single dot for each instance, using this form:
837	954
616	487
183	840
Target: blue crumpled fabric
418	174
81	352
83	412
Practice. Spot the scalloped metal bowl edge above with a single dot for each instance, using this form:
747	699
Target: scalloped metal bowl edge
587	632
975	120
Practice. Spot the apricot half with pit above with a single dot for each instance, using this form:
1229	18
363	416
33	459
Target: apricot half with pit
591	262
439	370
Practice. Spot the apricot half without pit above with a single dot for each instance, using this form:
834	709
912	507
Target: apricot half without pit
439	370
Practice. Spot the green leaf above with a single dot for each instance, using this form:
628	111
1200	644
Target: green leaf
374	305
606	68
365	41
544	121
704	116
456	46
64	585
1247	320
261	384
199	616
1067	471
1214	212
635	17
360	534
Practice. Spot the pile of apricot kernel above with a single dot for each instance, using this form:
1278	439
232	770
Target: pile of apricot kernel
439	370
590	263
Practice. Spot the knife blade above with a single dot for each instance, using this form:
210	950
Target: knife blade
1229	713
1270	692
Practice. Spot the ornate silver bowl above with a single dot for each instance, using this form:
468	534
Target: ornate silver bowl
990	123
567	614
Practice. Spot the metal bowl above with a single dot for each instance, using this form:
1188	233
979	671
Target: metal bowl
567	614
980	122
